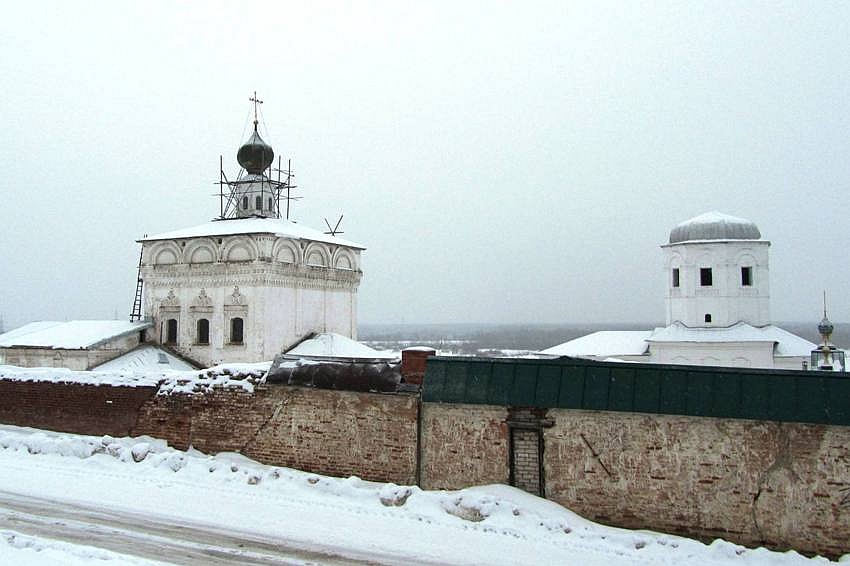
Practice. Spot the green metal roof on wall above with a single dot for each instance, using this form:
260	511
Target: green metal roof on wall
571	383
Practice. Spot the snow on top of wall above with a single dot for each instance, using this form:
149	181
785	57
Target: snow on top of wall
70	335
169	381
144	358
255	225
331	345
604	343
787	344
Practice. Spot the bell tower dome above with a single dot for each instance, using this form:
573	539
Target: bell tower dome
717	272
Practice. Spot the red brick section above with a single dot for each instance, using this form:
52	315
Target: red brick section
413	363
72	407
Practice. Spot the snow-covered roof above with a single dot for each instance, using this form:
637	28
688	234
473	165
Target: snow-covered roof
70	335
787	344
604	343
714	226
330	345
254	225
145	357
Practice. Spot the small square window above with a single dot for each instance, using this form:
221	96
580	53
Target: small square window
705	276
675	277
746	276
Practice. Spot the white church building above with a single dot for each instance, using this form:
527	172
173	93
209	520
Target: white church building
241	288
717	305
249	285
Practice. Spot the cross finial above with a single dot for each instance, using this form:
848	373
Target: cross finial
256	101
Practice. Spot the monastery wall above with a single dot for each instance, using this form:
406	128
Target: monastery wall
72	407
754	482
463	445
337	433
757	483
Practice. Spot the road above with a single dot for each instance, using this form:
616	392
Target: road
163	539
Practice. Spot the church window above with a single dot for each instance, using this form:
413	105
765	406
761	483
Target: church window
244	203
270	203
203	331
237	327
171	331
675	277
708	317
746	276
705	276
258	203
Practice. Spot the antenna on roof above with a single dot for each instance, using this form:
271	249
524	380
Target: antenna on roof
335	230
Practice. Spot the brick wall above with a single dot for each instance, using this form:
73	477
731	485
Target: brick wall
783	485
71	407
337	433
463	445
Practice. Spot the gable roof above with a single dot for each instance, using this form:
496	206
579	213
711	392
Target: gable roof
145	357
70	335
604	343
330	345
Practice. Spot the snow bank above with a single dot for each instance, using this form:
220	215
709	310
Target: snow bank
495	512
25	550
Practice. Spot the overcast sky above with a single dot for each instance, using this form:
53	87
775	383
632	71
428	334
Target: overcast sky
502	162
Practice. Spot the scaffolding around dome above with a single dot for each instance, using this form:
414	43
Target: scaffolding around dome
255	192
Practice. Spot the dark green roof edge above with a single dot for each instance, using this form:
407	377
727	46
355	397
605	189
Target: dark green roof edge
573	383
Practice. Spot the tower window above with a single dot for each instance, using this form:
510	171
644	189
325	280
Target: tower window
237	327
675	277
171	331
746	276
258	203
244	203
203	331
270	203
708	317
705	276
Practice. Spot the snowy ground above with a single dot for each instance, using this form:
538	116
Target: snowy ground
69	499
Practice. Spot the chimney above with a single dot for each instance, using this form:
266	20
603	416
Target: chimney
413	363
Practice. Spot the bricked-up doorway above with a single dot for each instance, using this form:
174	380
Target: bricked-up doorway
525	448
526	452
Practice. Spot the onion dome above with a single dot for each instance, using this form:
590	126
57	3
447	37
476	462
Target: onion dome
255	155
714	226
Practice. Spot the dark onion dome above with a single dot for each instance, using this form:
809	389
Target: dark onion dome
714	226
255	155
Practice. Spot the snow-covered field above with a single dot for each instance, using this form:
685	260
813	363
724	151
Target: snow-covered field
70	499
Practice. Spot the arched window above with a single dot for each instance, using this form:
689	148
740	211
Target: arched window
244	203
708	317
258	203
270	203
203	331
171	331
237	327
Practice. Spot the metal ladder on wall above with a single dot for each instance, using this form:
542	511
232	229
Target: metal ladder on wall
136	314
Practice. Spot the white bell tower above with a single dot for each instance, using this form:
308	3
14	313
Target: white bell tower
718	272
